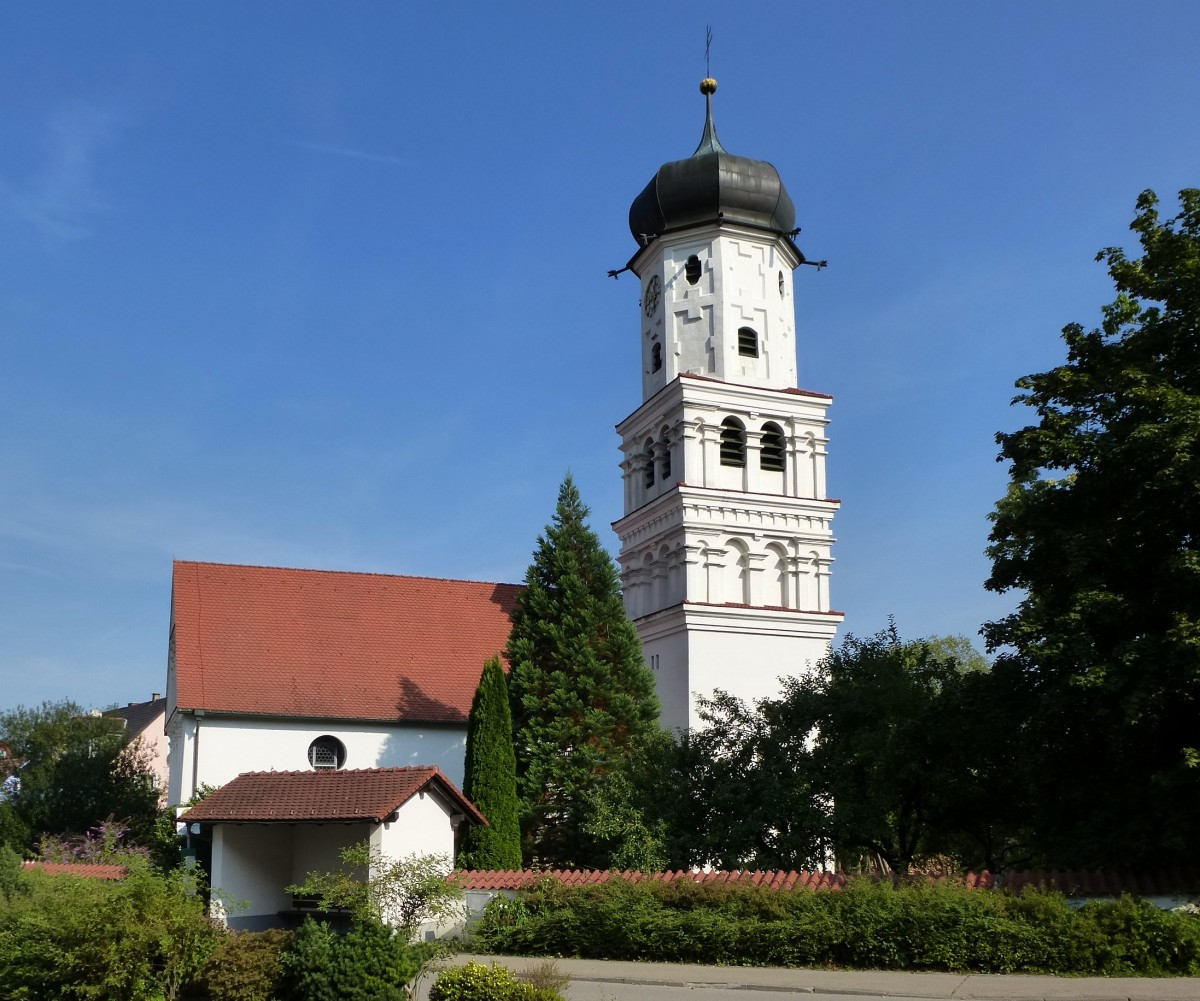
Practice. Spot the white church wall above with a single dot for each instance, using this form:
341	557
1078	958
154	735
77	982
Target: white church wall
214	750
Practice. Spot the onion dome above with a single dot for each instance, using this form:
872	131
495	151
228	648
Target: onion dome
712	185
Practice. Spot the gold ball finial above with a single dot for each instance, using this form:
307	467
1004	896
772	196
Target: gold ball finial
708	86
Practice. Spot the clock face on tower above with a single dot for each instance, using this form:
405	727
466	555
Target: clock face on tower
653	291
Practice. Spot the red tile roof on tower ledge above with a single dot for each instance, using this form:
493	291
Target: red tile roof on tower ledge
794	390
363	794
326	644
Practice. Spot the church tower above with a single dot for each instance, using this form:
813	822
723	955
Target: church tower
727	531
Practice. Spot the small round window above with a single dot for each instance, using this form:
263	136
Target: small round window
327	752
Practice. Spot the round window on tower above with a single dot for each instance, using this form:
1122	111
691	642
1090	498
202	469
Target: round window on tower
326	752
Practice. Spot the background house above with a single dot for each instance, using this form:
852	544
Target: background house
272	669
145	724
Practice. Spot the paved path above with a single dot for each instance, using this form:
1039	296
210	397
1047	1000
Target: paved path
601	980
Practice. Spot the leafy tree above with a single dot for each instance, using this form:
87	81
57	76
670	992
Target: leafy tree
1099	530
78	771
878	754
622	823
744	791
958	648
402	893
903	753
583	701
490	781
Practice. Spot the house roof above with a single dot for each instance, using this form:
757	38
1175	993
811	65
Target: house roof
365	794
326	644
140	716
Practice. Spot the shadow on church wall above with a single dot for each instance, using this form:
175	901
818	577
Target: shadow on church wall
435	733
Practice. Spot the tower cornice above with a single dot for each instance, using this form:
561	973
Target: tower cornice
717	392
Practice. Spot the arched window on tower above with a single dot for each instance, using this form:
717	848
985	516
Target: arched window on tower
737	572
691	269
733	442
747	342
771	450
782	566
664	444
648	457
656	357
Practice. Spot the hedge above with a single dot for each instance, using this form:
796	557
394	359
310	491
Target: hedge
866	925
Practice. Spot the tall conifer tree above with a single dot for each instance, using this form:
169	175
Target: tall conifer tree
490	780
583	701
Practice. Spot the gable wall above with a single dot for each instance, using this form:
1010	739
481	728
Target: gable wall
423	827
214	750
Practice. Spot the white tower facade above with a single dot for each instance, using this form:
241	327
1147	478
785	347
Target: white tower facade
727	533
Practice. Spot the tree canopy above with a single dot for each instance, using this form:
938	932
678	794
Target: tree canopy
583	700
881	753
1100	532
76	771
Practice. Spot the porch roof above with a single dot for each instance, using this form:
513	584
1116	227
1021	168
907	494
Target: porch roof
364	794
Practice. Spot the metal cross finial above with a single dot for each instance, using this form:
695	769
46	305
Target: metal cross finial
707	48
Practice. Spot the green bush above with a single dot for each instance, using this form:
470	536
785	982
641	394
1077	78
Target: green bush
308	963
474	982
866	925
371	962
246	966
143	938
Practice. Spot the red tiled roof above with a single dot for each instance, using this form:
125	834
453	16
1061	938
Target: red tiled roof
365	794
333	645
1071	883
776	879
794	390
94	870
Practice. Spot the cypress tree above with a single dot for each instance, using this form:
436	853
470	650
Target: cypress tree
490	780
583	701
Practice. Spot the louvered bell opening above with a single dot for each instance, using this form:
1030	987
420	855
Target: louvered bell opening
771	453
648	475
747	342
733	443
666	460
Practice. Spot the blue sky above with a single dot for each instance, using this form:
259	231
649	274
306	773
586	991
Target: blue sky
324	285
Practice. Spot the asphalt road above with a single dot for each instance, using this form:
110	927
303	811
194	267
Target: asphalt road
597	980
